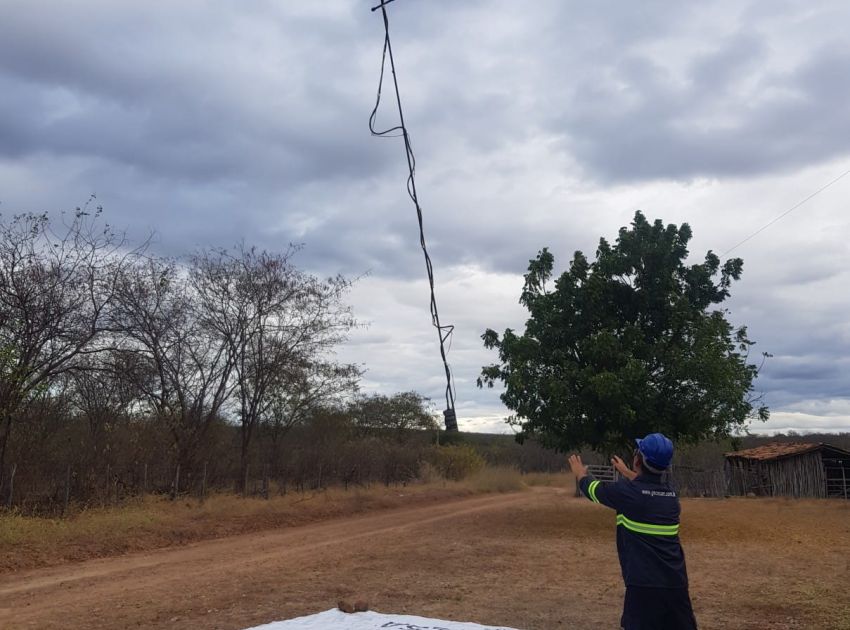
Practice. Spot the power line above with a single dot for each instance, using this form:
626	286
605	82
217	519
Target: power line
788	211
444	331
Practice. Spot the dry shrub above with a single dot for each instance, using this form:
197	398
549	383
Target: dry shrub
428	473
549	480
457	461
496	479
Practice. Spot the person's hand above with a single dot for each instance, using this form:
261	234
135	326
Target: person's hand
577	467
622	468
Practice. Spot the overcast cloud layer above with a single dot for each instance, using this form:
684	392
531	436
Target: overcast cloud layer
544	124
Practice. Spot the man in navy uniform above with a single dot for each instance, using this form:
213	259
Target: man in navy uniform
651	556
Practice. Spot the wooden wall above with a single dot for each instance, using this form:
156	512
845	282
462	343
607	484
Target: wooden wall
795	476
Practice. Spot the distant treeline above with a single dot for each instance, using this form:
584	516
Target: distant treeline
122	372
369	440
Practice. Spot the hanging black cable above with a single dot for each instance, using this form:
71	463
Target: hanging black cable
444	331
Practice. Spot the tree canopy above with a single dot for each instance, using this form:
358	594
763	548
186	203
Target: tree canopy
629	344
396	415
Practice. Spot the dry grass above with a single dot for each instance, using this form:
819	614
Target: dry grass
155	522
756	564
496	479
550	480
508	479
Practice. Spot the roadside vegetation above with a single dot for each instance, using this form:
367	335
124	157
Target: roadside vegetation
156	521
124	374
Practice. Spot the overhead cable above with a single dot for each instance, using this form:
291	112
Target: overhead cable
788	211
444	331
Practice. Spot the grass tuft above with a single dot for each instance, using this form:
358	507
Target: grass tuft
496	479
549	480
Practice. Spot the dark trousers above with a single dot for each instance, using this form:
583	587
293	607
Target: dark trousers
657	609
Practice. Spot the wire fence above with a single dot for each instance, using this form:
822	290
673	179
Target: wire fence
51	488
696	482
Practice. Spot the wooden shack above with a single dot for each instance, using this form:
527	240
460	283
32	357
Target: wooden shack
790	470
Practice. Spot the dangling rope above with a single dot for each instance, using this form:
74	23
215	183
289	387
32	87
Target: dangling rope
444	331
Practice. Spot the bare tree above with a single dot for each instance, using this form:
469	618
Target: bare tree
303	389
100	397
98	392
180	367
278	323
58	281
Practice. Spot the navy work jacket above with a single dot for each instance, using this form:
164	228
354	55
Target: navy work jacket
647	529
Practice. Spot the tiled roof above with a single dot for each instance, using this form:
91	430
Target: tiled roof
776	450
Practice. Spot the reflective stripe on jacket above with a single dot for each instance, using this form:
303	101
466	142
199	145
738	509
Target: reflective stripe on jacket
647	529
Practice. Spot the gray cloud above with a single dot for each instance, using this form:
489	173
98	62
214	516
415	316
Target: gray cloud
543	126
718	120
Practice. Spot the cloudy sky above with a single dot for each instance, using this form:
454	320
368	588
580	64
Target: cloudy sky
534	124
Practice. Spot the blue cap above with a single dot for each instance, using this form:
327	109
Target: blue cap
657	450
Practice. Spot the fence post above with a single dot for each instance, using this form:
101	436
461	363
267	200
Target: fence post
67	490
145	480
204	484
176	487
107	493
843	478
11	486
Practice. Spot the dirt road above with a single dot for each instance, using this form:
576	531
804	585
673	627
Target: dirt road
228	583
537	559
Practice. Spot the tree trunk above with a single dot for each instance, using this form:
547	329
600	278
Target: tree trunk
11	487
243	462
244	481
4	441
67	491
175	488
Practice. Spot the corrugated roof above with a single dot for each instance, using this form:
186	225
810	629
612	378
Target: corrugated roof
777	449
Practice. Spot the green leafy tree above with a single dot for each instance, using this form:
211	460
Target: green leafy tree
398	415
626	345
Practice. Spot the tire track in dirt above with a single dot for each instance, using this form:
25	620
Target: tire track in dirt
27	596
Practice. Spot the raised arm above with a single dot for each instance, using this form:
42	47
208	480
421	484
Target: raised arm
622	468
611	495
577	467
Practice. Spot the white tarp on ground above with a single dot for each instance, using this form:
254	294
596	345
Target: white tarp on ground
338	620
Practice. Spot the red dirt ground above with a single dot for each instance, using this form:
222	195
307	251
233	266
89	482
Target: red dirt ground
505	559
